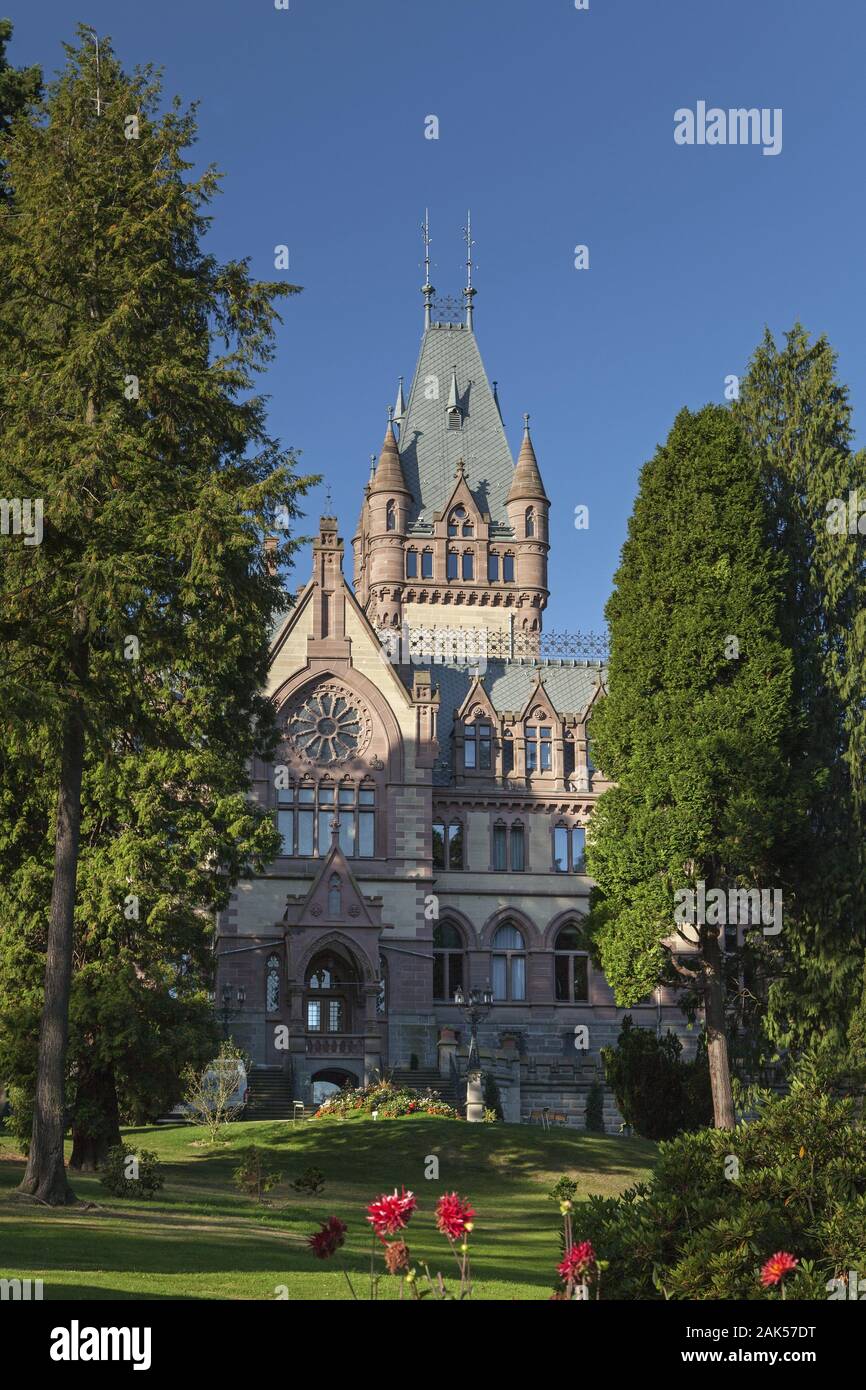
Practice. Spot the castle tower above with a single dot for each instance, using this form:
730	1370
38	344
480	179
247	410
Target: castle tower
452	536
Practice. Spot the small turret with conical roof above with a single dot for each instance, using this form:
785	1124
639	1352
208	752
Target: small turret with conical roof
528	506
387	505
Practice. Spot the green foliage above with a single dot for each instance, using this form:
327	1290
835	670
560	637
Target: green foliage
150	597
312	1181
720	1203
491	1097
252	1175
657	1093
132	1172
594	1117
797	419
18	87
563	1190
210	1091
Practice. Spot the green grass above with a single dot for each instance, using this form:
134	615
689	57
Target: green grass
200	1238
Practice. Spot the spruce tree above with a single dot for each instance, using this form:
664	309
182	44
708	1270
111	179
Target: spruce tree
797	419
128	356
693	725
18	87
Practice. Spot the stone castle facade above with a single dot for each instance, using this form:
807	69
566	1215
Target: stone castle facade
434	782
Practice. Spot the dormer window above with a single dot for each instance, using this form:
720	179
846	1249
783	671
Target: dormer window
454	418
456	520
468	529
477	746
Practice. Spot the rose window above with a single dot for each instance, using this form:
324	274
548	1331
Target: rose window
328	727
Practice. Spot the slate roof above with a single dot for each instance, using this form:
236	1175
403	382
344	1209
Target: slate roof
570	685
429	450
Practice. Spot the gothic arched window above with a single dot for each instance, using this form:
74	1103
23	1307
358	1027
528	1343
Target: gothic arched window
391	515
447	960
509	963
529	522
272	985
455	520
571	966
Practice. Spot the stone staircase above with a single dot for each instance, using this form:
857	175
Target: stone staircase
426	1079
271	1095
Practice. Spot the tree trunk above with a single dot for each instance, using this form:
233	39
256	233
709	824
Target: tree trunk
717	1039
95	1122
45	1175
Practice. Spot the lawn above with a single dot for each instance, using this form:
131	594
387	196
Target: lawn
201	1238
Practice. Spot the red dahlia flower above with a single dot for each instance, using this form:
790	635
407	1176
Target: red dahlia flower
390	1213
328	1240
453	1215
579	1260
777	1266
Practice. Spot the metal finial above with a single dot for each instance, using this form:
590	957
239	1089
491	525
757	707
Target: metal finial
526	421
427	288
328	498
469	292
390	414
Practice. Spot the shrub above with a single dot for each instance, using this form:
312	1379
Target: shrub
658	1094
251	1174
720	1203
312	1180
491	1097
131	1172
594	1116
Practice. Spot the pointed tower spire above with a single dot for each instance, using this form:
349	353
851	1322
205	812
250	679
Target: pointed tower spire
389	471
469	293
453	399
400	404
427	289
526	484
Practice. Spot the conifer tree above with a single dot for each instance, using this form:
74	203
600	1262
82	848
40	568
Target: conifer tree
692	727
138	620
18	87
797	419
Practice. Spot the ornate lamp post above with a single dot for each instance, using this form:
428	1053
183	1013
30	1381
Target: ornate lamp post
475	1007
227	1013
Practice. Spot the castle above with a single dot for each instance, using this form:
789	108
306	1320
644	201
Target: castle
433	784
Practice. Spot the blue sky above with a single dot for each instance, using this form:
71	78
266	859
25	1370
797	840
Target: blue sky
556	128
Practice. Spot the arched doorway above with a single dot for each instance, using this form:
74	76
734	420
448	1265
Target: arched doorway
326	1083
332	998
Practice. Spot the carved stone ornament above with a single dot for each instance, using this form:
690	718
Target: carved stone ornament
329	726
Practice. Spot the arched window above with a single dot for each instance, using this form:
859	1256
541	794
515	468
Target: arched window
329	983
571	966
447	960
468	564
507	751
455	521
468	529
272	985
509	963
411	564
568	753
529	522
391	515
335	895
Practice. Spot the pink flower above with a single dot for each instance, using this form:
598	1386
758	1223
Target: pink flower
328	1240
454	1215
579	1260
777	1266
390	1214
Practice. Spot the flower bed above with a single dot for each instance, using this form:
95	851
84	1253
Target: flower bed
388	1101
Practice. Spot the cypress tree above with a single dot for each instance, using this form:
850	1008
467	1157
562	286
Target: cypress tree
797	419
127	364
692	727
